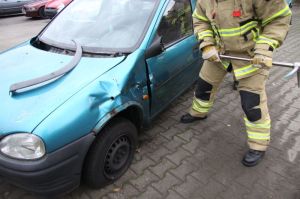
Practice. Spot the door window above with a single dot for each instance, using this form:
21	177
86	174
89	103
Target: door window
176	22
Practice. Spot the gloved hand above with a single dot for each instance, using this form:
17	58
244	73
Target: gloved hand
260	61
210	53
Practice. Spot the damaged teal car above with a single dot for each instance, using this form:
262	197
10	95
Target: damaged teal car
75	97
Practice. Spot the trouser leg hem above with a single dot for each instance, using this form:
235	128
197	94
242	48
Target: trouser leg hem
197	114
257	147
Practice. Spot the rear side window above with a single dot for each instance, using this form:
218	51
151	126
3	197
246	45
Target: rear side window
176	22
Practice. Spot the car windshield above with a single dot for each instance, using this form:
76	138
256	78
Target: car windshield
101	26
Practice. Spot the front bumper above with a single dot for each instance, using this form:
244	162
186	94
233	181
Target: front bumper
28	13
10	11
56	173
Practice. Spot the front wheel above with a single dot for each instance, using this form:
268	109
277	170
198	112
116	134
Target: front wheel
111	153
41	12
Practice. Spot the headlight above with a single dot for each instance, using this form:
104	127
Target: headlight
22	146
31	9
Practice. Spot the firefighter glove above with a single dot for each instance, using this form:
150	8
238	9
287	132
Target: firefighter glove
210	53
260	61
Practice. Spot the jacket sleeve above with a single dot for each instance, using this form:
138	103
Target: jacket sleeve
275	17
202	27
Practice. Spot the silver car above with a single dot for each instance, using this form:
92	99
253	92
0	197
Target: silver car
11	7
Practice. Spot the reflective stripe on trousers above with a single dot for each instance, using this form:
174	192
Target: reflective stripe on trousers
258	130
201	106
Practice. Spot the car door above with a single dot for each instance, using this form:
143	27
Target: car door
177	67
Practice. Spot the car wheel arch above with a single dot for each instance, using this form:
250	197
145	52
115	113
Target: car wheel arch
131	111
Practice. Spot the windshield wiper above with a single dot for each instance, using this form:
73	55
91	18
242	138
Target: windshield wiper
59	73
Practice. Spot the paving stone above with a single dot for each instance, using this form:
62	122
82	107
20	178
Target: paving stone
259	191
150	193
126	192
229	172
216	161
175	143
275	182
192	146
19	193
168	123
179	108
99	193
170	133
156	129
297	117
129	175
159	153
233	190
198	157
183	170
294	126
157	141
166	183
178	156
161	168
189	188
173	195
82	192
248	177
203	174
186	135
212	189
143	180
140	166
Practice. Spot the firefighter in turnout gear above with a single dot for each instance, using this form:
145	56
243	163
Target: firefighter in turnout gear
243	28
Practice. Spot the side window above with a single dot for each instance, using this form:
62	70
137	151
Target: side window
176	22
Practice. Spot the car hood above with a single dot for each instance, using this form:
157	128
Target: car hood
57	3
37	3
24	111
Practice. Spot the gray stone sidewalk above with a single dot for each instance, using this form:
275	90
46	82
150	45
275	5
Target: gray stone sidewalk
202	160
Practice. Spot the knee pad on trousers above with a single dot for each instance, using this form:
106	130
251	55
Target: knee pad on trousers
203	90
249	101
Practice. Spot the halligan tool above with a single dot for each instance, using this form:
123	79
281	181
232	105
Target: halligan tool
295	66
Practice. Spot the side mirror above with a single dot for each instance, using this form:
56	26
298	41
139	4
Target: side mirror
155	48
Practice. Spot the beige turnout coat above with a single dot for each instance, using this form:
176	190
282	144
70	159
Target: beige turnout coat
242	26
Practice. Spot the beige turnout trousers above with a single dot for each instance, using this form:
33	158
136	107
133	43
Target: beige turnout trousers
253	99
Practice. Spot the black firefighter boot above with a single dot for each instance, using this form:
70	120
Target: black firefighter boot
188	118
252	157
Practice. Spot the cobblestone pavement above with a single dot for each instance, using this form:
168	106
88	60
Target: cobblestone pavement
202	160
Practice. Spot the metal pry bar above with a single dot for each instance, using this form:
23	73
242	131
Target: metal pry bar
295	66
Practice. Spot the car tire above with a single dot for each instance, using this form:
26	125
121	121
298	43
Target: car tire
42	12
111	153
